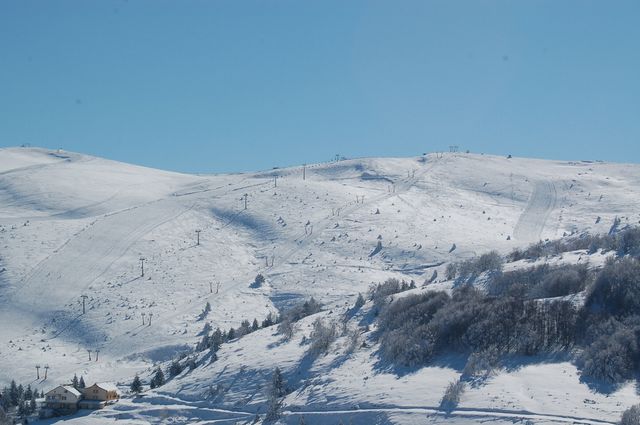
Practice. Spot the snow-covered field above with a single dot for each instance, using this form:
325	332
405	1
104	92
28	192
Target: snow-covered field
74	225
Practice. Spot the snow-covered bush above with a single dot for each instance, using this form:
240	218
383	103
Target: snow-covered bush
288	318
521	314
451	271
480	363
379	294
285	328
452	395
629	242
616	290
561	281
353	340
322	336
489	262
307	308
541	281
415	328
611	349
405	335
624	242
631	416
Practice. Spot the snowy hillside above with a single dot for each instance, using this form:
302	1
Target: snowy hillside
74	225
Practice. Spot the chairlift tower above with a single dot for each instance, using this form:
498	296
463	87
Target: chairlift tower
142	259
84	297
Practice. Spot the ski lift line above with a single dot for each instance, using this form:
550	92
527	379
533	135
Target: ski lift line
403	186
133	240
226	288
406	185
130	239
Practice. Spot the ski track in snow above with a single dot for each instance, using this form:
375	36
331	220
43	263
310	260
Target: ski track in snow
201	411
460	413
533	219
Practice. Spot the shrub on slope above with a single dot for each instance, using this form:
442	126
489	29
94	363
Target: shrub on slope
616	291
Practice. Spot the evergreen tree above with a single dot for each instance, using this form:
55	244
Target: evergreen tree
204	343
74	382
14	397
22	408
268	321
81	384
273	409
245	328
28	393
274	396
5	399
33	406
175	369
216	340
158	378
205	312
359	302
231	334
136	385
277	383
254	325
4	420
20	392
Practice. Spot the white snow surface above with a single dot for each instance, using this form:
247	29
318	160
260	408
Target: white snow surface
73	225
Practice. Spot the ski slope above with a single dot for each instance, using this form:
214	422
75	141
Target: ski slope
73	225
534	218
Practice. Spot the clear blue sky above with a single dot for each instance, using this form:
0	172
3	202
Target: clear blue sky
211	86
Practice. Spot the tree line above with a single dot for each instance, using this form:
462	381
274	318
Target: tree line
527	312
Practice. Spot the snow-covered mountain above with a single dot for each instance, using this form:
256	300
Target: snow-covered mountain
73	225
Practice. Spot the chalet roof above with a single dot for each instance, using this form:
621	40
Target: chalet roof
68	388
107	386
